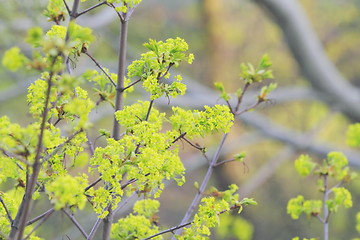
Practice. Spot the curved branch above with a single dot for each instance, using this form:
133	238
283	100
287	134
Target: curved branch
306	48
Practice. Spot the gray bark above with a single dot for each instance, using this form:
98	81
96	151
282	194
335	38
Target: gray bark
305	46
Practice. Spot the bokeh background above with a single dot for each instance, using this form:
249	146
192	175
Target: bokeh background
302	116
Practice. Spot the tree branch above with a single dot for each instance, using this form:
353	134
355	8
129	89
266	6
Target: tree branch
76	223
100	67
203	185
24	209
306	48
90	8
121	76
48	212
47	157
44	218
11	155
6	210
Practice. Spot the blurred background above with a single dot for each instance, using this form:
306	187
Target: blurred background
314	47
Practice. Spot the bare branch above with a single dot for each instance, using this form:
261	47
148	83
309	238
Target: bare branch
194	145
132	84
100	67
44	218
306	48
223	162
77	224
173	229
203	185
67	7
93	184
48	212
90	8
94	229
6	210
9	154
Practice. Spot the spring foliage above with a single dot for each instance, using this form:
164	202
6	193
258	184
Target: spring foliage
55	144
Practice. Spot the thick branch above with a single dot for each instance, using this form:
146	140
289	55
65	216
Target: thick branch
24	209
309	53
121	76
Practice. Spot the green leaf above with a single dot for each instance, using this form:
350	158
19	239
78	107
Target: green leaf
248	201
35	36
353	135
304	165
342	197
13	59
295	207
240	157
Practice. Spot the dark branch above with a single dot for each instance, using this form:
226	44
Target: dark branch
77	224
100	67
6	210
48	212
90	8
93	184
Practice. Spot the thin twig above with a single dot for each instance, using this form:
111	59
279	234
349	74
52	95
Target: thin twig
6	210
166	72
90	8
223	162
123	203
203	185
194	145
240	98
122	18
236	206
51	210
94	229
91	145
237	113
149	110
100	67
132	84
48	214
230	107
169	230
47	157
11	155
77	224
93	184
67	7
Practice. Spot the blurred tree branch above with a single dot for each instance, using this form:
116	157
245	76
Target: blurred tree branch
306	48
